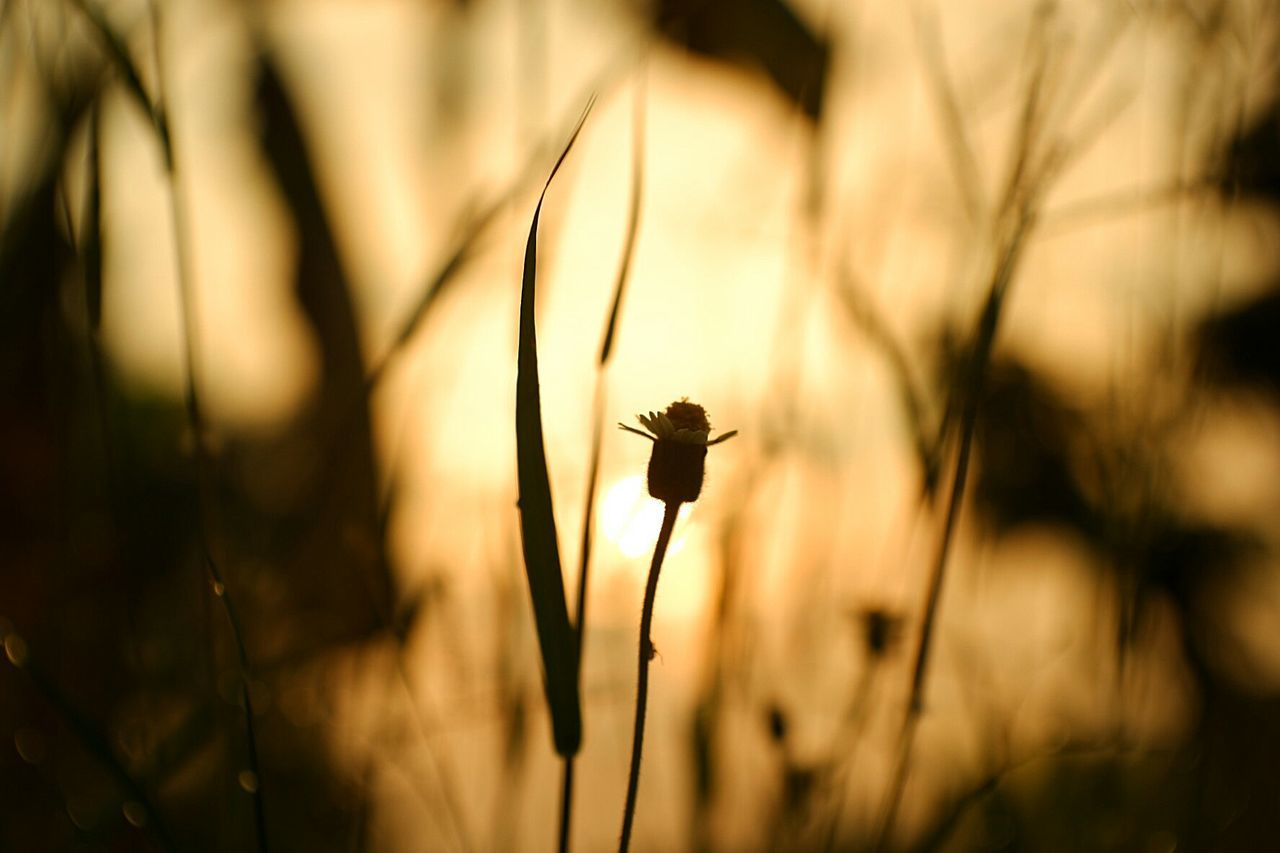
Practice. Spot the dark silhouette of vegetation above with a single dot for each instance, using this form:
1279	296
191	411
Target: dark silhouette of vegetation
211	639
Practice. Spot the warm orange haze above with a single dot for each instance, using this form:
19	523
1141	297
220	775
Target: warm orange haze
319	323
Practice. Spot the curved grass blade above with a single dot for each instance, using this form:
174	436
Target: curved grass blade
482	213
119	55
556	637
633	221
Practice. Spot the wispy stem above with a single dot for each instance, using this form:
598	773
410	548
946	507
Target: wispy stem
158	115
646	652
975	382
445	778
955	135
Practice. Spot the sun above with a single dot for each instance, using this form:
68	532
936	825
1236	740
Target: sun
630	519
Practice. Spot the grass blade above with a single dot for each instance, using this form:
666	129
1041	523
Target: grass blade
539	543
119	55
484	212
633	222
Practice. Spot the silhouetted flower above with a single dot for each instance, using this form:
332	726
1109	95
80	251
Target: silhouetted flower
680	436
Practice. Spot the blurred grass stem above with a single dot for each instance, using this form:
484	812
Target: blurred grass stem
443	771
646	653
158	115
972	390
964	163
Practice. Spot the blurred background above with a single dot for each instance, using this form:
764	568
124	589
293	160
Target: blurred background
989	288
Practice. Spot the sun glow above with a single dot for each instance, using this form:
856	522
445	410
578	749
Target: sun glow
630	518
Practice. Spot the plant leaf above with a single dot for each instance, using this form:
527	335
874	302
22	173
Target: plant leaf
556	637
118	52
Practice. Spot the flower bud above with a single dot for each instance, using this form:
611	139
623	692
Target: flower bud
676	470
680	436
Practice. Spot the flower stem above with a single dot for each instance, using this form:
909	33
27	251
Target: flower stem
646	653
566	804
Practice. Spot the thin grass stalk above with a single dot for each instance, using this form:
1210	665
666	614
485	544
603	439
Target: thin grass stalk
646	653
1127	202
443	770
158	115
91	251
467	241
1023	194
633	217
722	641
973	390
784	361
597	426
119	54
878	332
964	163
489	207
195	416
845	749
90	246
566	805
943	829
1014	213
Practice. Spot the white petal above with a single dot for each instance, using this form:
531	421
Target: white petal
632	429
